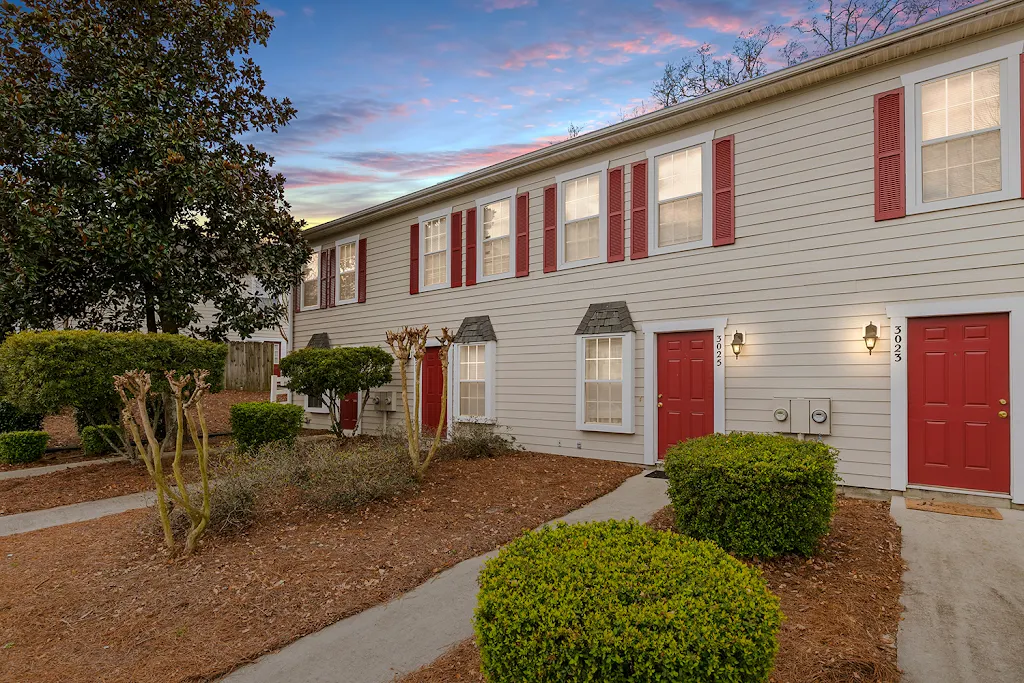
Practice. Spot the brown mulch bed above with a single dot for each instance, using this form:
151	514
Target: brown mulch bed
842	606
98	601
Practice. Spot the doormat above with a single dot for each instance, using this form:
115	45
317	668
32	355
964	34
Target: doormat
961	509
657	474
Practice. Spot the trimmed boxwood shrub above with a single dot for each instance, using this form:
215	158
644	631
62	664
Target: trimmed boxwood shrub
260	422
19	447
93	442
754	494
619	601
14	420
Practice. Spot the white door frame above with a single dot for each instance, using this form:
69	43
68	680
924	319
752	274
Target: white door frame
651	330
898	396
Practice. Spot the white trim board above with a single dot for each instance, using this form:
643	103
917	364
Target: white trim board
898	314
651	329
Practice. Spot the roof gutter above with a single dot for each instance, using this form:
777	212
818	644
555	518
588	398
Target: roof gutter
944	30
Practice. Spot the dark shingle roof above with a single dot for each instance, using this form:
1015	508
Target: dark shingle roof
474	330
606	318
320	340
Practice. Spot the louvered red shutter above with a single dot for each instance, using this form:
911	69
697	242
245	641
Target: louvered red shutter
638	211
616	220
332	279
470	247
414	258
325	278
723	209
523	234
890	164
361	272
296	304
550	228
456	224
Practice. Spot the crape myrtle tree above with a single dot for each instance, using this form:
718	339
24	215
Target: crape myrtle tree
127	194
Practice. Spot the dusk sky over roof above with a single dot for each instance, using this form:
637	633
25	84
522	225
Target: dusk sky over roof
395	96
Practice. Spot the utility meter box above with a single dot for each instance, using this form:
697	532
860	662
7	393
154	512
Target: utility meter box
803	416
385	401
821	416
781	415
799	416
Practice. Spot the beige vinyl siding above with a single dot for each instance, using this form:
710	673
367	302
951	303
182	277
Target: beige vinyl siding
809	269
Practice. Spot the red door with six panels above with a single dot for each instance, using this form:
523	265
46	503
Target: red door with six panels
686	387
350	411
958	387
430	393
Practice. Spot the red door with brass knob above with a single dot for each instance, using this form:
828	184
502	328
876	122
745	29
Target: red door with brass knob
686	387
958	388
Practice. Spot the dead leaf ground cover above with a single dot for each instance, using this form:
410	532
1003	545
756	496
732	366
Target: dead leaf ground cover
842	606
98	601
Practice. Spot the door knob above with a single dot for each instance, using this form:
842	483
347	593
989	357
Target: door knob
660	395
1002	401
659	404
1002	413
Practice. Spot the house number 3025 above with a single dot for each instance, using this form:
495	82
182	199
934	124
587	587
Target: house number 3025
897	343
718	350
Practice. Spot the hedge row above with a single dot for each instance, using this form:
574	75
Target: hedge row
261	422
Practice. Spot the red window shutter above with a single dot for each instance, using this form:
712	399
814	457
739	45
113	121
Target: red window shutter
523	234
361	272
638	211
616	221
325	278
456	249
296	304
550	228
890	164
414	258
470	247
723	209
332	280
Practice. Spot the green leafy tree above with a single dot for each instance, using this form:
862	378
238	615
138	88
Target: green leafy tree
127	195
332	374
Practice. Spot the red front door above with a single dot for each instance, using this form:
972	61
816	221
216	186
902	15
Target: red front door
350	411
430	397
686	387
958	387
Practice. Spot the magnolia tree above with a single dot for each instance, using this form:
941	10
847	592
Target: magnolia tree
188	391
410	343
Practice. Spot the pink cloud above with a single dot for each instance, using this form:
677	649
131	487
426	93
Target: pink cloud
482	73
523	91
316	177
537	55
720	24
495	5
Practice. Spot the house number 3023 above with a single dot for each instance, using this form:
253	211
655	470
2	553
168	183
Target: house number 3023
897	343
718	350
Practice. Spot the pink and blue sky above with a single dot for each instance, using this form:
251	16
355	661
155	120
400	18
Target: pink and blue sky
397	95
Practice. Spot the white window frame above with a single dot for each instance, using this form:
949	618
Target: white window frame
338	301
319	284
322	410
490	353
1009	122
628	383
706	179
447	215
510	195
602	214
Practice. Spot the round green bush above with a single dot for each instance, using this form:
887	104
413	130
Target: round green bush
93	442
618	601
21	447
259	422
756	495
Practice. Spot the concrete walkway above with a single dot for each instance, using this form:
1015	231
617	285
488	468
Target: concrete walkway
964	597
415	629
50	469
69	514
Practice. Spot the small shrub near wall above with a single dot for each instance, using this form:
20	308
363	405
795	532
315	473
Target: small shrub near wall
93	442
22	447
261	422
757	495
14	420
620	602
469	441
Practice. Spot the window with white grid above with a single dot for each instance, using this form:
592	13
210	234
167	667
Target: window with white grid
581	206
473	380
435	251
602	383
347	255
311	282
496	238
680	197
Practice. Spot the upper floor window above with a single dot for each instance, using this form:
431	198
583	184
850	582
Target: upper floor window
435	250
963	131
681	213
311	282
582	216
496	251
348	255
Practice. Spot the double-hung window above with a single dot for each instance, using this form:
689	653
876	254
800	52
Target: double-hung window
473	390
582	224
348	261
435	252
605	382
310	294
680	195
963	131
497	250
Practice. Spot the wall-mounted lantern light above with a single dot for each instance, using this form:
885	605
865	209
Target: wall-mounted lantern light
870	337
737	343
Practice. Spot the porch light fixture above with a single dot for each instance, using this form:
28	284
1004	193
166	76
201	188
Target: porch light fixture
737	343
870	337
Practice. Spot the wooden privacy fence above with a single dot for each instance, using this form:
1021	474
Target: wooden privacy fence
249	366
